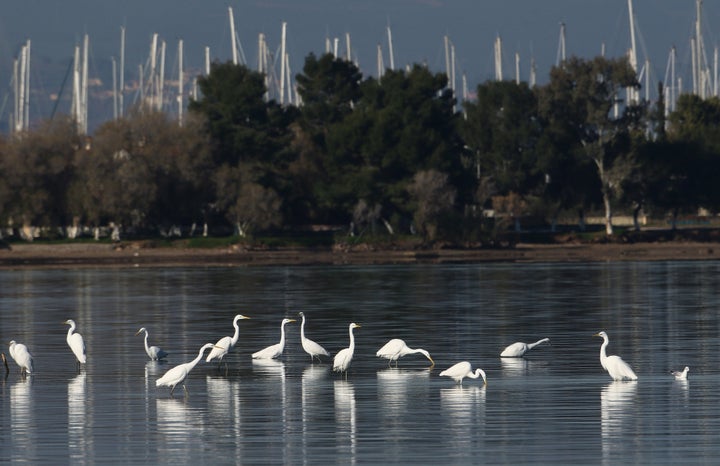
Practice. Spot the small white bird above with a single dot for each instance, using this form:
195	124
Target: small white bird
679	375
276	350
396	349
517	350
225	344
310	347
154	352
179	373
22	357
461	370
344	357
75	342
616	367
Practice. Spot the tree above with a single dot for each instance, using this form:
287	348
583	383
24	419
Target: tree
432	198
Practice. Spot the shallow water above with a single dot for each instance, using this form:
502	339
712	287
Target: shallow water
556	405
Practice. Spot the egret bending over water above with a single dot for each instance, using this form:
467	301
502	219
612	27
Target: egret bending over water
22	357
76	343
154	352
344	357
517	350
461	370
276	350
179	373
679	375
225	344
310	347
616	367
396	349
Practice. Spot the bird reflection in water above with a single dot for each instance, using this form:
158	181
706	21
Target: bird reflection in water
179	427
617	406
514	367
22	420
394	386
77	420
464	406
224	405
269	367
345	419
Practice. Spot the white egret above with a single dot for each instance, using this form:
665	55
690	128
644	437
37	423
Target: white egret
76	343
225	344
679	375
616	367
179	373
396	349
22	357
310	347
461	370
276	350
154	352
344	357
518	349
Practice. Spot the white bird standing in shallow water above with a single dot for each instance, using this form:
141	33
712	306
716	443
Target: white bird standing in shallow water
179	373
310	347
461	370
344	357
616	367
225	344
396	348
681	375
517	350
22	357
76	343
153	352
276	350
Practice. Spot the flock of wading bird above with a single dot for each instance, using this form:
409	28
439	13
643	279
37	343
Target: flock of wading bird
393	350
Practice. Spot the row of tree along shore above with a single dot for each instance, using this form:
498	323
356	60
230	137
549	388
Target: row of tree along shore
396	155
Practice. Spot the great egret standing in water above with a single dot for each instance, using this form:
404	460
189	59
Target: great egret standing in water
22	357
681	375
344	357
461	370
225	344
76	343
396	349
276	350
517	350
616	367
310	347
179	373
154	352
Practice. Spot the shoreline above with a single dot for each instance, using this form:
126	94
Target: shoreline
24	256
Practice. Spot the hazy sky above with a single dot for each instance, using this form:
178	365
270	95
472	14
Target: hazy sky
528	27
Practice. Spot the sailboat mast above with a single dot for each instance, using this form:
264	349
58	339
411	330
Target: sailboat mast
181	80
121	95
282	63
390	49
632	94
232	36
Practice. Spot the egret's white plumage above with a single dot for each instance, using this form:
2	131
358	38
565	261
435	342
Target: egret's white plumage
344	357
75	342
153	352
461	370
312	348
22	357
616	367
179	373
225	344
396	349
276	350
518	349
681	375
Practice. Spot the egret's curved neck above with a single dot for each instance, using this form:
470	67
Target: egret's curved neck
194	362
71	329
539	342
236	335
603	354
147	349
352	340
282	334
475	374
302	328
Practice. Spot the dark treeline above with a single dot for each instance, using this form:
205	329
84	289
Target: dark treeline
394	155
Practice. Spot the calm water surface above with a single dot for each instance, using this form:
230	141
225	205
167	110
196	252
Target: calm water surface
554	406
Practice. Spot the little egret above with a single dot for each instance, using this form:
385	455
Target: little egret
76	343
276	350
396	349
154	352
310	347
679	375
461	370
22	357
344	357
517	350
179	373
616	367
225	344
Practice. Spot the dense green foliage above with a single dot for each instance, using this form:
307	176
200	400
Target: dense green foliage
395	155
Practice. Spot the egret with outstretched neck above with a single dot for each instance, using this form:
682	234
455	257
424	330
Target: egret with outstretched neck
396	348
225	344
76	343
518	349
461	370
153	352
276	350
179	373
312	348
616	367
344	357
